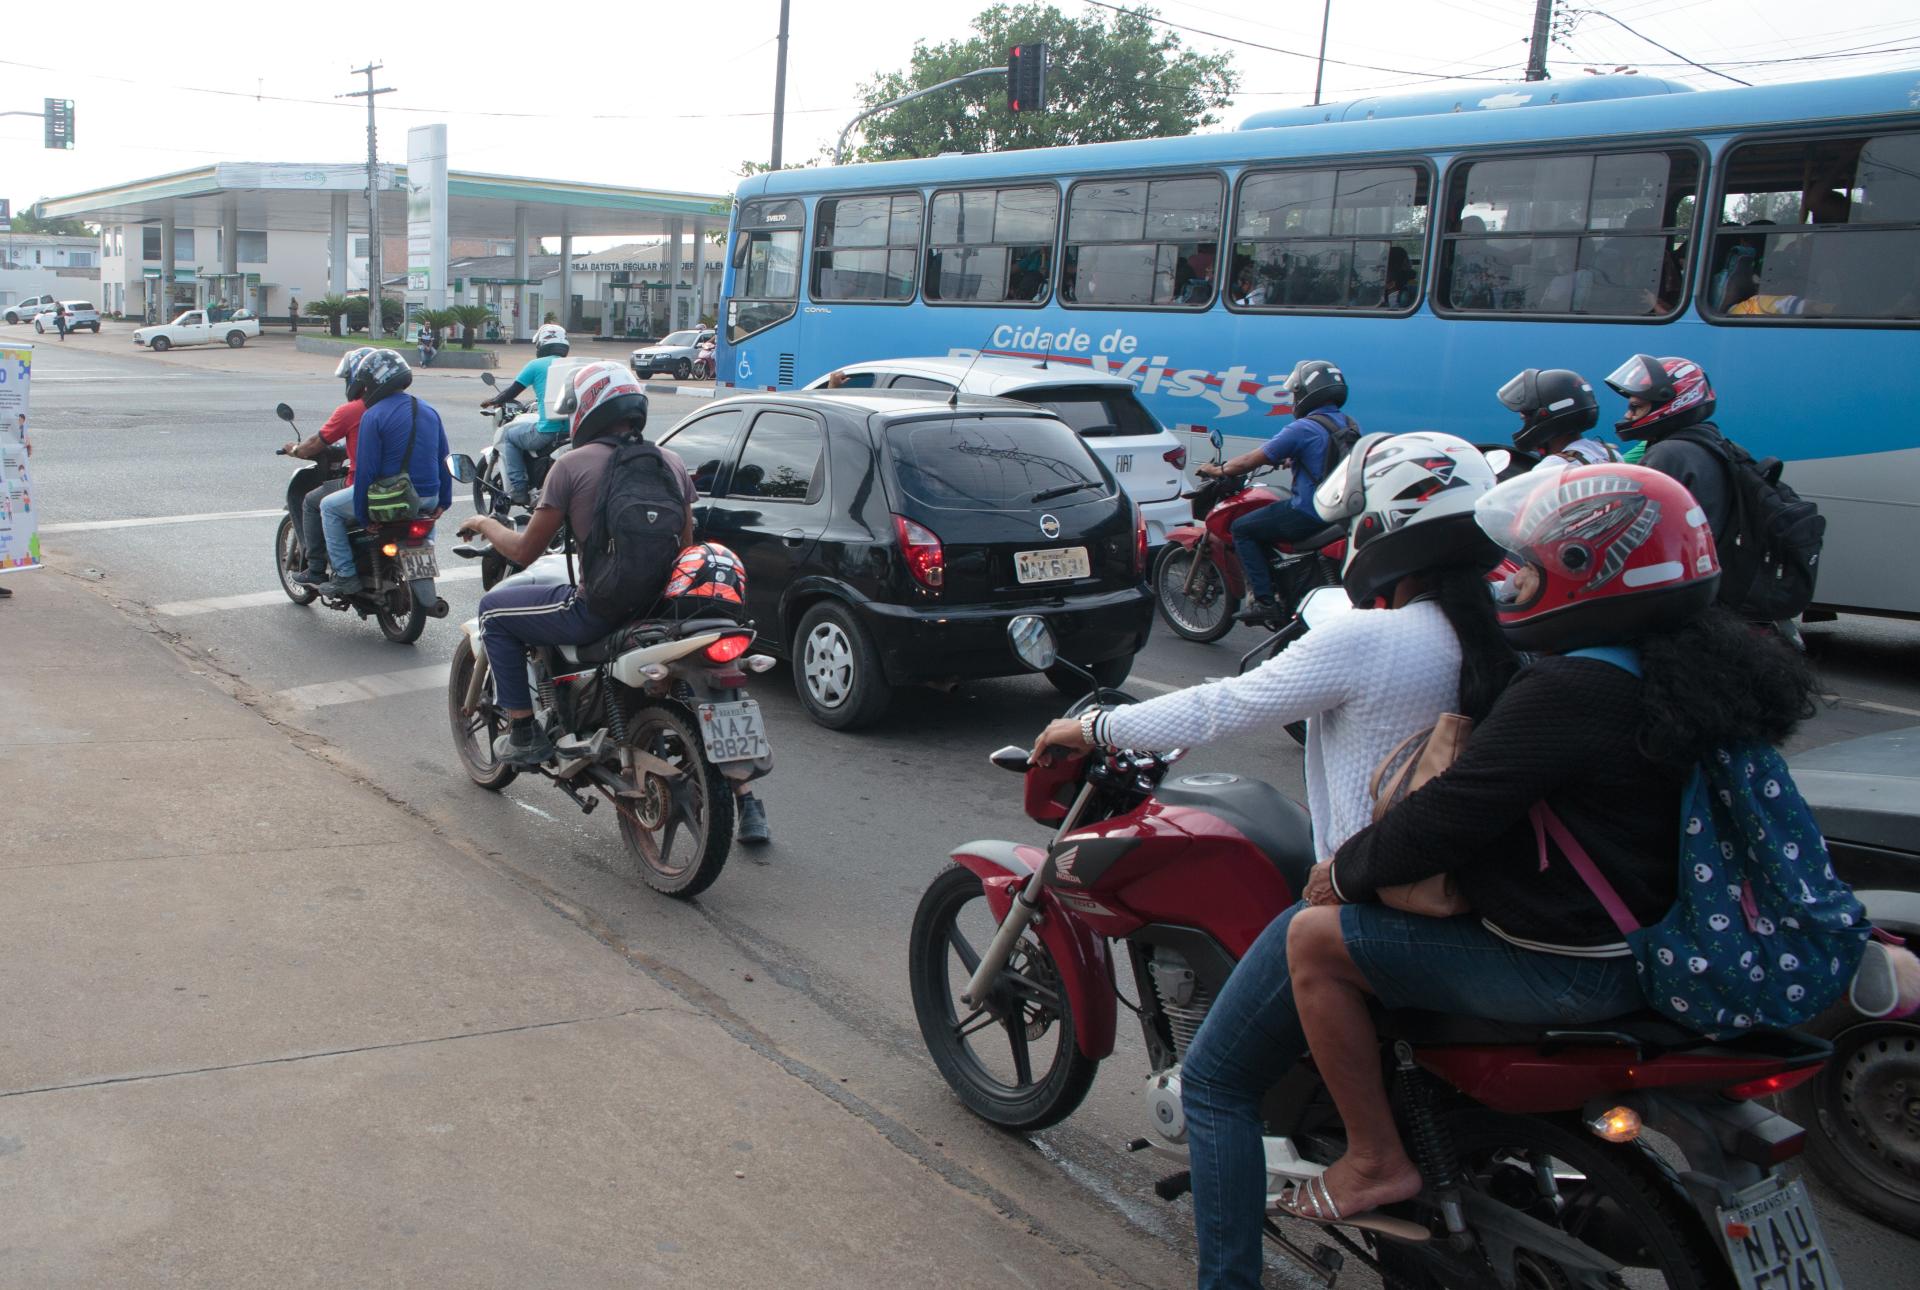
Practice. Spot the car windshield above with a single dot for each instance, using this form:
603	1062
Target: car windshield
681	338
1095	411
989	464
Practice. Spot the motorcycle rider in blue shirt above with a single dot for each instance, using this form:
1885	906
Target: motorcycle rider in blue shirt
389	421
526	438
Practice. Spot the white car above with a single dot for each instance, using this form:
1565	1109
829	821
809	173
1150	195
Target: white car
81	316
195	327
1144	456
673	354
31	307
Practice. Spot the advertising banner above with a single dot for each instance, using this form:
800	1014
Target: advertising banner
427	216
19	536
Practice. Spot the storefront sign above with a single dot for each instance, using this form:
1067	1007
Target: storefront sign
19	532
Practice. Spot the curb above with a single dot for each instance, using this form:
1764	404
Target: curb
685	392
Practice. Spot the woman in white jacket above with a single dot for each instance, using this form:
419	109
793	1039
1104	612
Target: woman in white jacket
1367	680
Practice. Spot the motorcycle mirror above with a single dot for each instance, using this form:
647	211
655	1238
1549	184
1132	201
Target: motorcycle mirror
487	378
1499	459
1011	758
462	467
1033	642
284	412
1324	604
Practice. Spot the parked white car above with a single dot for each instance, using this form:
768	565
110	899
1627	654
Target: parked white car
31	307
1104	409
81	316
195	327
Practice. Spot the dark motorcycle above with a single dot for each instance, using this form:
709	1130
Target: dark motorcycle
1197	579
1528	1137
396	560
654	719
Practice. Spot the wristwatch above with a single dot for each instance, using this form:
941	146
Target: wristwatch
1088	720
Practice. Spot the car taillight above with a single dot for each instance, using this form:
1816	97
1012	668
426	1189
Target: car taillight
925	558
1177	458
728	648
419	528
1139	541
1767	1086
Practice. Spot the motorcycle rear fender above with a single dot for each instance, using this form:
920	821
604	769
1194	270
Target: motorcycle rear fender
1086	973
626	668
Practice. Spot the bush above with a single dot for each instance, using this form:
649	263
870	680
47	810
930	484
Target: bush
333	309
471	319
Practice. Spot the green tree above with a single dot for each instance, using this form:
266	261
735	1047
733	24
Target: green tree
471	319
331	308
1109	76
30	221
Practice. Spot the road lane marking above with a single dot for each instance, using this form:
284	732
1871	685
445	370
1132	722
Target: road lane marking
379	685
147	521
1145	684
1871	706
252	599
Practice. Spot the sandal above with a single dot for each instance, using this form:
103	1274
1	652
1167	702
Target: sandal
1311	1202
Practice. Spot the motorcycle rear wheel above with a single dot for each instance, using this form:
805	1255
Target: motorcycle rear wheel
402	628
290	557
1205	616
678	838
1616	1199
941	958
473	736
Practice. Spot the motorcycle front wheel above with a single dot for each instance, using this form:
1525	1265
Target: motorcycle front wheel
290	557
678	832
1026	1013
1207	614
473	736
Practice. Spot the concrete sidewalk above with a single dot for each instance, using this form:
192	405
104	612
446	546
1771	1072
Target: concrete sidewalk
262	1027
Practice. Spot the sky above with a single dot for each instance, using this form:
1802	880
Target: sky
613	93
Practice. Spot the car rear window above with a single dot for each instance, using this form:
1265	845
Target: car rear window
1094	411
991	464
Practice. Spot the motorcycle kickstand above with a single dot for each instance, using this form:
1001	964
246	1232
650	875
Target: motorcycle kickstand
585	803
1323	1263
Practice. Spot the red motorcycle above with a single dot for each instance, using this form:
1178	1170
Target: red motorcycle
1528	1136
1197	579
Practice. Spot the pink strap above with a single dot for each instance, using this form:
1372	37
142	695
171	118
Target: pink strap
1546	824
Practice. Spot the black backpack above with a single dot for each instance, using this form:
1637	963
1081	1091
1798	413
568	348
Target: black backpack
1770	556
628	557
1340	439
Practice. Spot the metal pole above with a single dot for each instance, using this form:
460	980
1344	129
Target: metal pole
840	148
373	197
1537	46
1320	69
780	87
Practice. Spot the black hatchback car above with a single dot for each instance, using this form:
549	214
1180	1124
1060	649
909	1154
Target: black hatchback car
888	537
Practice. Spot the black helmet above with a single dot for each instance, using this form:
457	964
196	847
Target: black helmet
1316	383
379	374
351	361
1551	403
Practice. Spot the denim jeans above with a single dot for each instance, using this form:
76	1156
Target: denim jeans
512	618
1256	531
1252	1037
313	536
523	439
336	517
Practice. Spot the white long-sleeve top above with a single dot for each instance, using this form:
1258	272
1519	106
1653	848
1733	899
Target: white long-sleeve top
1369	679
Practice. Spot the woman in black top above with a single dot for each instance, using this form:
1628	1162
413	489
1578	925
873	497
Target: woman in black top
1639	678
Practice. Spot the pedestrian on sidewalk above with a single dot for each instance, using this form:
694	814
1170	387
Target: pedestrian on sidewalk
293	315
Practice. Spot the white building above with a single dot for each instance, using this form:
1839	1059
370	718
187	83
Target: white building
48	264
270	268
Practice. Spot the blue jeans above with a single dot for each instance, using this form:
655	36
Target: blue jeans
1252	1037
524	439
1258	530
336	517
313	536
512	618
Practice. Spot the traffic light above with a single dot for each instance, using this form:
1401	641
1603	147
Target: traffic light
59	117
1027	77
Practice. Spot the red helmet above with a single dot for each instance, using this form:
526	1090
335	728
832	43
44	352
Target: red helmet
1676	390
1607	554
709	571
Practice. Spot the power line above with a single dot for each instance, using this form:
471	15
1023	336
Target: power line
1602	13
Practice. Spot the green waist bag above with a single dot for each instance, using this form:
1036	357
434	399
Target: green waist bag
392	497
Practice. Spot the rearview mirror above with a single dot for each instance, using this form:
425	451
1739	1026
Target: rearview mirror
1033	642
1499	459
463	467
284	412
1324	604
487	377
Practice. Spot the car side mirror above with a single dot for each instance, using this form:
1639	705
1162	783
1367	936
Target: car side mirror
463	467
487	378
284	412
1033	642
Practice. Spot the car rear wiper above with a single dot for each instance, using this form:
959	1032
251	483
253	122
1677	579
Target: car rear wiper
1048	494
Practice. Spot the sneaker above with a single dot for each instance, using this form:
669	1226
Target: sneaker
310	577
522	746
342	586
520	498
1263	611
753	828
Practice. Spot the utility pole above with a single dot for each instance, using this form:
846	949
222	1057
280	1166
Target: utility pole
1537	46
373	196
780	87
1320	70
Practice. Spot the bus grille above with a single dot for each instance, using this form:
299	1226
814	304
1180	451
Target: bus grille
786	371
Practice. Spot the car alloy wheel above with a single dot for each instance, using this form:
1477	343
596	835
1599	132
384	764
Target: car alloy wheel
828	665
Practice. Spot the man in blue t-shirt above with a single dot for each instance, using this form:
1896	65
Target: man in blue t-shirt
392	417
1306	447
524	437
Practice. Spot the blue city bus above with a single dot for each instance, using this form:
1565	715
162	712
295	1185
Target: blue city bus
1432	246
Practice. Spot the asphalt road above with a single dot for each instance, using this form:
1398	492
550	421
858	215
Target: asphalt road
802	943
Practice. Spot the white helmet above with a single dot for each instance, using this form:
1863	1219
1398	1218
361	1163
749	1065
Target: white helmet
551	338
350	360
1410	499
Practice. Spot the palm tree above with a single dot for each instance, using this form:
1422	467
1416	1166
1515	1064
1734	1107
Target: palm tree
331	308
471	319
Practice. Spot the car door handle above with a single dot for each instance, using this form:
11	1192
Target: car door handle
794	537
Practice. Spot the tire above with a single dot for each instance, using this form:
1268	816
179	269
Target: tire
235	339
1208	614
402	628
1863	1135
938	966
289	557
159	344
671	869
473	738
836	671
1634	1199
1110	674
682	369
13	319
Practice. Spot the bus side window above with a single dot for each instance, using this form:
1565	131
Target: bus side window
991	245
1144	243
1329	239
1587	234
1818	228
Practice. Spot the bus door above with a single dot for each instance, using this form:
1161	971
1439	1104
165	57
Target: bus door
760	324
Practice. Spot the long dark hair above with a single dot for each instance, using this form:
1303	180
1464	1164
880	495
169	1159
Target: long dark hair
1487	662
1717	680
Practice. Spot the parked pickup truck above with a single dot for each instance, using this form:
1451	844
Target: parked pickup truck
194	328
27	309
